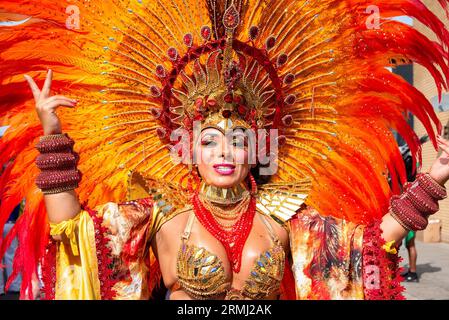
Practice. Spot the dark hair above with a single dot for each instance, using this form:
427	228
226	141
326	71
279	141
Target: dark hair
260	179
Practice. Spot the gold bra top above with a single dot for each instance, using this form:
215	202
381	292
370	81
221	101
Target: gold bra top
201	273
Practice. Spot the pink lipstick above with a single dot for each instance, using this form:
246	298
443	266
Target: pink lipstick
224	169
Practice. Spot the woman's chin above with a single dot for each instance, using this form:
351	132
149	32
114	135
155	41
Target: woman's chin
224	181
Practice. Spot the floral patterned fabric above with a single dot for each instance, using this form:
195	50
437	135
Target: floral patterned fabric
327	256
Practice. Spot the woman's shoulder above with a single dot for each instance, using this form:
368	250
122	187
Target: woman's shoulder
172	216
131	213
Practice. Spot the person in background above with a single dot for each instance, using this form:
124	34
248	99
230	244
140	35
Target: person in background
6	263
411	275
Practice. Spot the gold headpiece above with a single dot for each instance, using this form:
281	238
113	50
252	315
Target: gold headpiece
232	84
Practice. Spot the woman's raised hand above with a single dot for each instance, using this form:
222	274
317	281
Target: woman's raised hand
46	104
440	168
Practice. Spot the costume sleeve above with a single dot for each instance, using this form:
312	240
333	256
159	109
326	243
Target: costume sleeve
104	253
337	259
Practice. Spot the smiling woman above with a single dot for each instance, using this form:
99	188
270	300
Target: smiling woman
222	162
296	92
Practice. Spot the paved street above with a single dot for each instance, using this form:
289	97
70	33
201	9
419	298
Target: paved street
433	272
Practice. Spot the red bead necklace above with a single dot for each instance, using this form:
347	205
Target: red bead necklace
233	240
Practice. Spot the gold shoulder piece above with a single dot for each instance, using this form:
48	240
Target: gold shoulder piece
169	200
161	217
140	187
136	187
281	201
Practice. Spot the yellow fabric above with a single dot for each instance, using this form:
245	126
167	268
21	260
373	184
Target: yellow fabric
389	247
77	274
68	228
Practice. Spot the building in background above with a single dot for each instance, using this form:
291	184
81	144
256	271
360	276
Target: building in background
424	82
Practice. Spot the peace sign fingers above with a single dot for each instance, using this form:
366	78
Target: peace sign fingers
34	88
47	84
46	105
37	93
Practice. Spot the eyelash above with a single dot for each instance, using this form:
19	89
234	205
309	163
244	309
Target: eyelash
208	143
235	143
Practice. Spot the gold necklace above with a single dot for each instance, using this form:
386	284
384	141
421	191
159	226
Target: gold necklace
211	196
227	214
223	196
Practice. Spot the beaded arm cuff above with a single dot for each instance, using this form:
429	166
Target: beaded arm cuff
58	181
52	161
55	143
57	162
432	187
419	200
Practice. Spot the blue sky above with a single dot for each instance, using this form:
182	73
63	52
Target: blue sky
2	130
404	19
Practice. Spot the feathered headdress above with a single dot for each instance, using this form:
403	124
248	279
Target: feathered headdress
314	70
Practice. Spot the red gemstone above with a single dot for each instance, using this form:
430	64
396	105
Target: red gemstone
242	110
161	132
205	32
187	122
212	103
180	151
281	140
188	39
199	103
288	79
172	54
198	117
155	112
253	33
282	59
290	99
287	120
228	98
226	113
271	41
160	71
155	92
231	18
238	99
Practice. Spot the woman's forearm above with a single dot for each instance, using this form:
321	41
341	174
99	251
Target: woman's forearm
411	210
62	206
55	154
391	229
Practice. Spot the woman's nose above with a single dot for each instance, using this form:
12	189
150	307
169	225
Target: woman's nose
226	151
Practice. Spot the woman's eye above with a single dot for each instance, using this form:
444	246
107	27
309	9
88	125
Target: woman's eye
208	143
238	143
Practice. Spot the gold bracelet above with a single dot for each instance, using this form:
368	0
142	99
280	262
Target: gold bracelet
52	136
60	189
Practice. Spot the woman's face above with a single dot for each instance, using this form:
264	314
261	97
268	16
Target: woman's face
222	159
